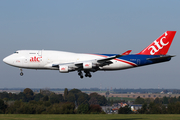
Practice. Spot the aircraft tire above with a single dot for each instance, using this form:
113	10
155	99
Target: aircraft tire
21	74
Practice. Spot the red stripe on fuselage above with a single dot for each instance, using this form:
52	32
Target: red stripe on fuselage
130	63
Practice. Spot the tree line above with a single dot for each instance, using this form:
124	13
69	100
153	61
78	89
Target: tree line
165	105
47	102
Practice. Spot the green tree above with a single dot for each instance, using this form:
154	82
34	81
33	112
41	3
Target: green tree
3	106
82	100
139	100
158	101
45	98
55	109
54	98
93	101
71	97
75	91
125	110
165	100
100	99
38	96
40	108
68	108
29	94
178	99
95	109
174	108
83	109
65	94
143	110
148	100
157	108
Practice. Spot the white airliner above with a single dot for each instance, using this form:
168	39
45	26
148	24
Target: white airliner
67	61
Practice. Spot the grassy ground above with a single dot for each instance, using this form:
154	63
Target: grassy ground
90	117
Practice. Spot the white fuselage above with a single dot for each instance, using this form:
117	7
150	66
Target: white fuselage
44	59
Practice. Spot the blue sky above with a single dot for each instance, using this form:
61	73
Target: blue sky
101	26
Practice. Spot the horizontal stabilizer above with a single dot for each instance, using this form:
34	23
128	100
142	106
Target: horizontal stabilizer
160	58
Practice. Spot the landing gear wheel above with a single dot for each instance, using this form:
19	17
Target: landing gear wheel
80	74
21	74
88	74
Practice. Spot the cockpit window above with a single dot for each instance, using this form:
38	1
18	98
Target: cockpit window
16	52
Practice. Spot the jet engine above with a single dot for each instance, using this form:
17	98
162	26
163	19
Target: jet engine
87	65
63	69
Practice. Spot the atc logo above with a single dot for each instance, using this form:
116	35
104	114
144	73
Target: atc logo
87	65
158	45
63	68
35	59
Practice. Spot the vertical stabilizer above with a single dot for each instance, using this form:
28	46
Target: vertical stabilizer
161	45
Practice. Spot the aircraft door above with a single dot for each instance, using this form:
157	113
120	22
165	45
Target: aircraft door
40	53
138	61
40	59
25	61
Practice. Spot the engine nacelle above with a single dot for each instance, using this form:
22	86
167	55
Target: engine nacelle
87	65
63	69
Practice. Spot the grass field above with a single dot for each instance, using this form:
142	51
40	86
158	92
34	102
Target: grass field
90	117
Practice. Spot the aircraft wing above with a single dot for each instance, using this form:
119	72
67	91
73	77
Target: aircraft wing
100	62
109	58
95	62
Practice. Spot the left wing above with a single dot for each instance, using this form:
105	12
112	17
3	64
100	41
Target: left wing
98	62
92	65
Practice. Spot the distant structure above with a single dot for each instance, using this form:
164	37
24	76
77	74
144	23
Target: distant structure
107	93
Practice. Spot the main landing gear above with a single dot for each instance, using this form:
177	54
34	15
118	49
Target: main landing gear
80	74
21	73
87	74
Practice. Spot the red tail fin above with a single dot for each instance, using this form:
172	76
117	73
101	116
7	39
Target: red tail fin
161	45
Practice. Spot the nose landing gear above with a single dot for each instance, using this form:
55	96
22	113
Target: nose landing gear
21	73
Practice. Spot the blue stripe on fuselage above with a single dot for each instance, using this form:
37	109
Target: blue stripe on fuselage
139	60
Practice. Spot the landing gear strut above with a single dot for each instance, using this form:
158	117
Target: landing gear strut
21	73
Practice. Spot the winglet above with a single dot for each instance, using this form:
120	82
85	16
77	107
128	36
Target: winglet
161	45
126	53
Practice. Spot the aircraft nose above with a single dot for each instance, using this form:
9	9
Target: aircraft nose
7	60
